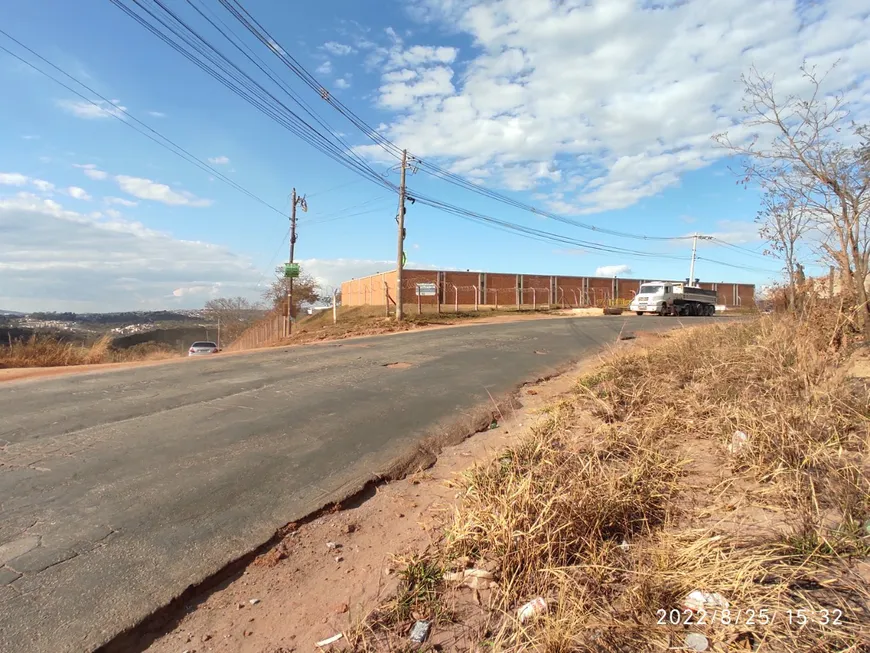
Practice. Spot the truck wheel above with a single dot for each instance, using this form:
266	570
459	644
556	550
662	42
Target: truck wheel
639	312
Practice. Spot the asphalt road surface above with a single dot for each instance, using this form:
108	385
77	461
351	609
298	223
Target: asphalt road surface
120	489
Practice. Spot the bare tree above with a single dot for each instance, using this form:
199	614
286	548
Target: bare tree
235	314
807	149
783	222
305	290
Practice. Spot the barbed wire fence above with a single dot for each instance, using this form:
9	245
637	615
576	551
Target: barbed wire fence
265	331
453	298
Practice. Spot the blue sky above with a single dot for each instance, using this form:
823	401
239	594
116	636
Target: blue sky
602	112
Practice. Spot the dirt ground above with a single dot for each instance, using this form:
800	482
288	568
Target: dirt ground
326	576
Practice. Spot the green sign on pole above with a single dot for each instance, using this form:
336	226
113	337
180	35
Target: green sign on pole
291	270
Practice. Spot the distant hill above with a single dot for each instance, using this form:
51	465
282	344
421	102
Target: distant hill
127	317
12	313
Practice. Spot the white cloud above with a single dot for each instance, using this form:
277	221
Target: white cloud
612	270
119	201
325	68
337	49
156	114
147	189
42	185
431	82
78	193
736	232
13	179
89	111
420	55
342	83
622	96
113	213
92	171
219	160
17	179
52	258
30	137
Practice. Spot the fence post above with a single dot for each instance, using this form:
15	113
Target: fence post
476	299
496	298
455	298
386	299
576	300
419	304
549	298
534	300
438	293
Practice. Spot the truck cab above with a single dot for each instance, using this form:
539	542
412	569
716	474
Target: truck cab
652	297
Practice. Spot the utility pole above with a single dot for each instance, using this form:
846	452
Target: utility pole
400	260
294	201
695	255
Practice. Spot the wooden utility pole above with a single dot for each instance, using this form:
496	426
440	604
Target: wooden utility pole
400	260
293	203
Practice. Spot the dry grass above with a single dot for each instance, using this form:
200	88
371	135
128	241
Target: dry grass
616	523
370	320
46	351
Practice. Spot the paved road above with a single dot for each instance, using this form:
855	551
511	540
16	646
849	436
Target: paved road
120	489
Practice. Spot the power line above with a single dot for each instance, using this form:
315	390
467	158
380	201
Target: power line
236	8
342	217
178	150
737	266
341	212
202	53
744	250
180	36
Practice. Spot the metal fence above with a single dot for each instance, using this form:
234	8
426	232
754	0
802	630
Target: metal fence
269	330
452	298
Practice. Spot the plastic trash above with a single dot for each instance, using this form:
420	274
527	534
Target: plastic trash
479	573
532	609
254	601
329	640
739	440
696	642
697	601
420	631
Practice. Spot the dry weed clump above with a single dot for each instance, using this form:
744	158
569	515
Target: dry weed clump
46	351
593	520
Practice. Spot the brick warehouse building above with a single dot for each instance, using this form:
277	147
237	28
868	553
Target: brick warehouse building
493	289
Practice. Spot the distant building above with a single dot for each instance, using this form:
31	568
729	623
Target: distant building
496	289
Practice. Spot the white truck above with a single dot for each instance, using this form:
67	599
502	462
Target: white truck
672	298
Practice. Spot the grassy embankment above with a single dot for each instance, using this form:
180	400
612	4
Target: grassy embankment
634	491
46	351
367	320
